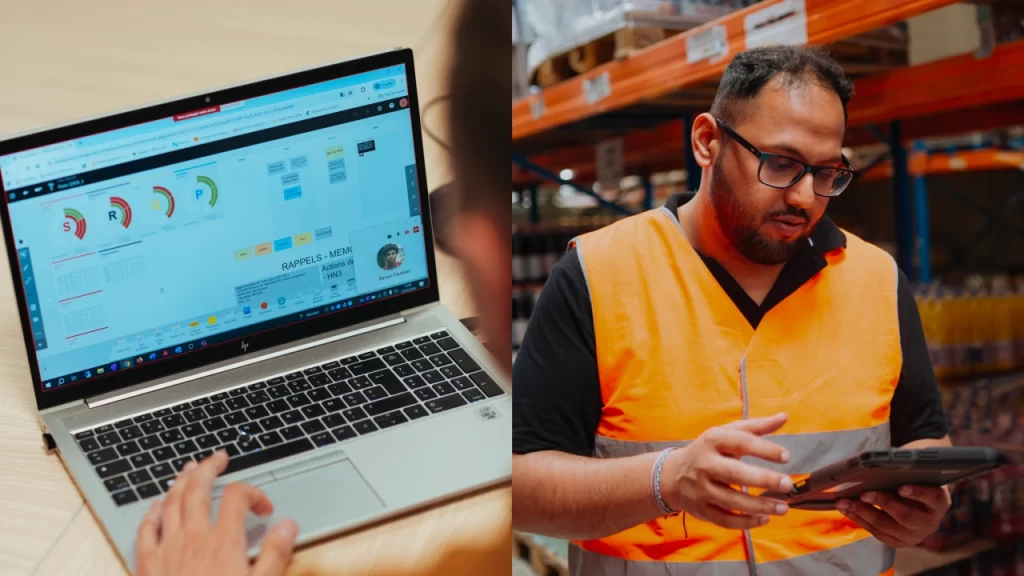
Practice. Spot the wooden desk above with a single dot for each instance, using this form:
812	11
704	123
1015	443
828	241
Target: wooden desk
68	59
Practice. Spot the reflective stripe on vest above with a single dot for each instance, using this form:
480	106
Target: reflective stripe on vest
676	356
866	556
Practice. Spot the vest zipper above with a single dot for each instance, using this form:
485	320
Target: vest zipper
745	400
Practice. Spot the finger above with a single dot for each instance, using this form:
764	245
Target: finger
172	506
277	549
743	503
905	512
934	497
148	537
730	520
877	522
238	500
738	443
730	471
196	509
881	536
760	426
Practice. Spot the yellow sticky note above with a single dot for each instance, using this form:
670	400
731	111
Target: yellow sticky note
243	254
264	249
335	152
304	238
211	320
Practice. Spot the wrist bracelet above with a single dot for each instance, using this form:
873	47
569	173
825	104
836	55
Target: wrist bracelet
656	483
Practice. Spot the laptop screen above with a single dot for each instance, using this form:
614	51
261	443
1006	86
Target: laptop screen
156	240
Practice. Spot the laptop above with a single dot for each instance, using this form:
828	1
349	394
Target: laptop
252	270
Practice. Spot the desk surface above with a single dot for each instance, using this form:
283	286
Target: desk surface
69	59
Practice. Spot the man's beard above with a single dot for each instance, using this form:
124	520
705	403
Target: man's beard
742	228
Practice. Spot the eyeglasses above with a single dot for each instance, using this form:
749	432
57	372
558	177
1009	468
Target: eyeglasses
782	171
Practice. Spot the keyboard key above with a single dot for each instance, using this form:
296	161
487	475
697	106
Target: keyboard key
433	377
365	426
403	346
312	370
275	381
179	463
271	423
195	415
142	460
259	397
312	426
422	340
102	456
390	404
367	355
473	395
299	386
203	454
163	453
354	399
426	394
385	350
389	382
268	455
123	423
109	439
219	397
462	383
173	421
443	389
172	436
313	411
439	335
214	424
256	412
367	366
485	383
235	418
231	449
257	386
360	382
181	407
193	430
85	434
128	448
227	435
105	429
412	354
162	412
333	405
375	393
113	468
293	376
422	365
463	360
331	365
236	392
199	402
447	344
250	428
340	374
152	427
88	445
291	433
292	417
150	442
440	360
451	371
354	414
131	433
414	412
394	359
298	400
390	419
345	433
165	483
217	409
339	388
278	392
323	439
430	349
320	380
414	382
278	406
143	418
318	395
185	447
148	490
270	438
349	361
207	441
125	497
161	470
404	370
137	477
247	444
446	403
333	420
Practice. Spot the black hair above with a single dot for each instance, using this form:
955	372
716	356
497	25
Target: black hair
750	71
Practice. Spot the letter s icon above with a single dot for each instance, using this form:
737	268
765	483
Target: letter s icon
67	227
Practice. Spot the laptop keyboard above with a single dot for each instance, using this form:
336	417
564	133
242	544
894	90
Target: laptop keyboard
260	422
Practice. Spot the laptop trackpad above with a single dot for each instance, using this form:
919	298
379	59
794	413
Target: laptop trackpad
319	500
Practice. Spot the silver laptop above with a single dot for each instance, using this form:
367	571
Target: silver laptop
250	270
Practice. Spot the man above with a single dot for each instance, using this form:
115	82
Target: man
390	260
177	537
742	322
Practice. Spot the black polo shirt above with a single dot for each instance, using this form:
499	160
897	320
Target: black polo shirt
557	401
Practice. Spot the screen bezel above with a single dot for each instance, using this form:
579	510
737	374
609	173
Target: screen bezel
257	341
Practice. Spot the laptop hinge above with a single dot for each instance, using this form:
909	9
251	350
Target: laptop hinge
112	397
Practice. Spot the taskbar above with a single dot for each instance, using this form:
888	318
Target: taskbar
178	349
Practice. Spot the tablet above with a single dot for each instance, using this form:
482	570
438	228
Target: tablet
886	471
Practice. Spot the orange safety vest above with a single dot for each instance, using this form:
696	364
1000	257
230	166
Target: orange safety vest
676	357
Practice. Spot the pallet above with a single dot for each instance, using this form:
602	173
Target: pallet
543	561
618	45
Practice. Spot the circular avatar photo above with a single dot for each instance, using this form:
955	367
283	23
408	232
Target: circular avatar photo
390	256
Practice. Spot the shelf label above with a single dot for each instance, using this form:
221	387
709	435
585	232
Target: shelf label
711	44
782	23
597	88
610	165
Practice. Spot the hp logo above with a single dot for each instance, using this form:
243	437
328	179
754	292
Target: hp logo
245	346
